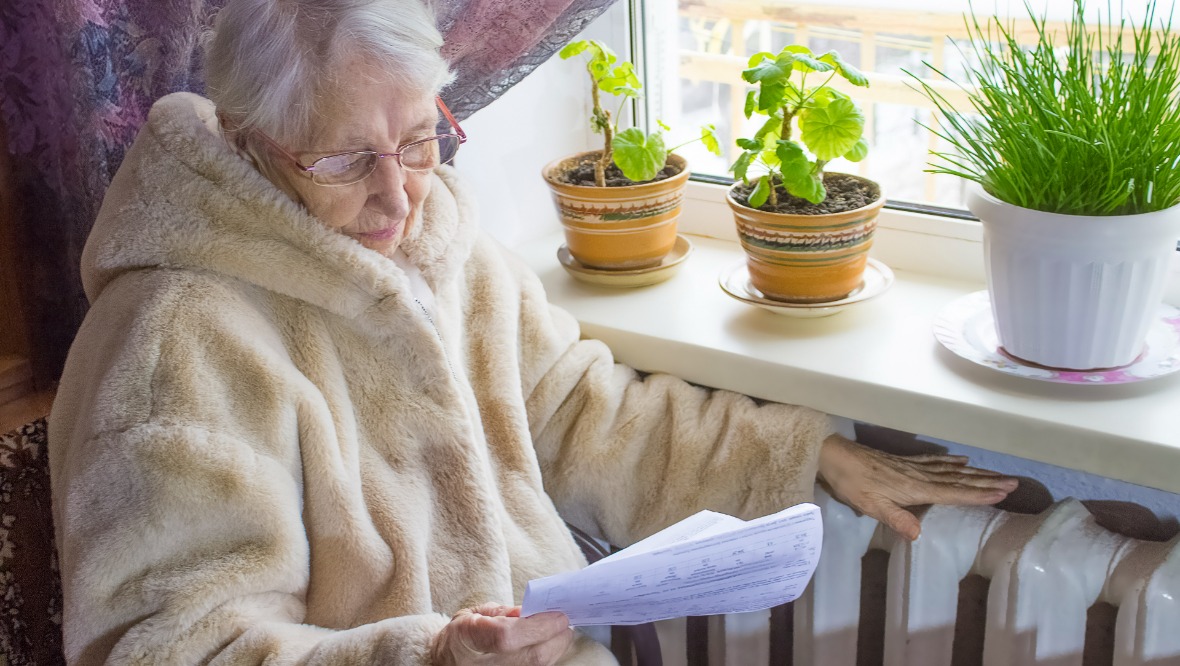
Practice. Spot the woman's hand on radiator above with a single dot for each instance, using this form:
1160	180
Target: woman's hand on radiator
881	485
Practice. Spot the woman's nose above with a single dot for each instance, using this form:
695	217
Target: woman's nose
387	189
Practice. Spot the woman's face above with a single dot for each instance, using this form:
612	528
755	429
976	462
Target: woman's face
365	112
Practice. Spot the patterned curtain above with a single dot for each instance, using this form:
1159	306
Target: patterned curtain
77	78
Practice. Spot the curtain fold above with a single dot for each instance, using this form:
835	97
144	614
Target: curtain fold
77	78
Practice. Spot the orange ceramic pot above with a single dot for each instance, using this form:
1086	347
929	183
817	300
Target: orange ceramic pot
806	258
618	228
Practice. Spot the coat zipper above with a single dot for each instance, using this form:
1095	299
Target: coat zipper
442	345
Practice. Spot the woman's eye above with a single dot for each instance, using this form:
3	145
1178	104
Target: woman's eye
342	163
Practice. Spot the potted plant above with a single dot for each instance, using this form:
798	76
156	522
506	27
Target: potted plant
1075	156
806	232
619	205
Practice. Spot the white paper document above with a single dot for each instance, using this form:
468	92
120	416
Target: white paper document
706	564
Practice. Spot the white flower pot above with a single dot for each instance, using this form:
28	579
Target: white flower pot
1074	291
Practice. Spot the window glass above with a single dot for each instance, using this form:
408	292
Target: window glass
695	51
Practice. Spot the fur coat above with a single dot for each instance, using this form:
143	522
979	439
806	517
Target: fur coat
265	450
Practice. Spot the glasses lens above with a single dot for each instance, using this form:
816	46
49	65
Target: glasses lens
343	169
429	153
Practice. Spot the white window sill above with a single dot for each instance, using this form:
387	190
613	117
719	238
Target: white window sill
878	361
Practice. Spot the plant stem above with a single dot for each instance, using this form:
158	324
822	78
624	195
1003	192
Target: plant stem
785	134
599	112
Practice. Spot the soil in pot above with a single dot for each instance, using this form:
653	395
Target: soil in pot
844	193
583	175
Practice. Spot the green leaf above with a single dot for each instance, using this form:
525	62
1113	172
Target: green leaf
858	152
600	54
709	138
640	156
805	61
831	131
824	97
663	125
769	132
749	144
852	74
771	71
573	48
812	189
800	177
761	192
741	165
769	156
757	58
792	157
750	103
770	96
621	81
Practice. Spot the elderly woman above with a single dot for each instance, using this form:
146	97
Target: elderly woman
315	417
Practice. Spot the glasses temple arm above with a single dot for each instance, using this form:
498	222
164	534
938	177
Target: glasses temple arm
451	119
275	144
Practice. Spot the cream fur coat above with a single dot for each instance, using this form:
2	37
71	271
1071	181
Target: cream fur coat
264	451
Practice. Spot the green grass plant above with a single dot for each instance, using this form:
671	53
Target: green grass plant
1090	126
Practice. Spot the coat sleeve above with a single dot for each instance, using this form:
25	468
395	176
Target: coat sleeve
177	478
627	454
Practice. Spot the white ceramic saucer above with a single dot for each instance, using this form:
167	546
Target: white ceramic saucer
967	327
735	281
640	277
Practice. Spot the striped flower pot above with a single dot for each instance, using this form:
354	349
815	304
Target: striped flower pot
618	228
806	258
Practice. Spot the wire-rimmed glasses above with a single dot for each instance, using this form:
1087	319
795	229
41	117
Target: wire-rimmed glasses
355	166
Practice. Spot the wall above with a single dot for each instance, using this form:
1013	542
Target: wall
542	118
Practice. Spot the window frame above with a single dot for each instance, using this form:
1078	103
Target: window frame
930	219
908	218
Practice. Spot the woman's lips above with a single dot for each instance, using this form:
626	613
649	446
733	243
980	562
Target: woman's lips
385	234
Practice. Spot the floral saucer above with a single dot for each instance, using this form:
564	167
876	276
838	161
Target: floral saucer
639	277
967	327
735	281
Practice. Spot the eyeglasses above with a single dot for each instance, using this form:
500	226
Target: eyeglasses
355	166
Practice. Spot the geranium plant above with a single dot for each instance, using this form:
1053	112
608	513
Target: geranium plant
1085	126
830	124
639	155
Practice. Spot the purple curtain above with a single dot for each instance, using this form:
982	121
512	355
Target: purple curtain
77	78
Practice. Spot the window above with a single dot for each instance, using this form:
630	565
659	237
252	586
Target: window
696	49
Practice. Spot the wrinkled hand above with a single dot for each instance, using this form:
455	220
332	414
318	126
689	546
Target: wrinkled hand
493	635
880	484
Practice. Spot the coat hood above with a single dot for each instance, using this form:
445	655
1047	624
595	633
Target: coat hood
184	199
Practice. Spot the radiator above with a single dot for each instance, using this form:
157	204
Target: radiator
981	586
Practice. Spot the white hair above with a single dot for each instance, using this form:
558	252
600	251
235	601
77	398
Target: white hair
268	63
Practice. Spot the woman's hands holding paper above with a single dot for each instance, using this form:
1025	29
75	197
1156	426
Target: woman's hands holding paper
494	635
